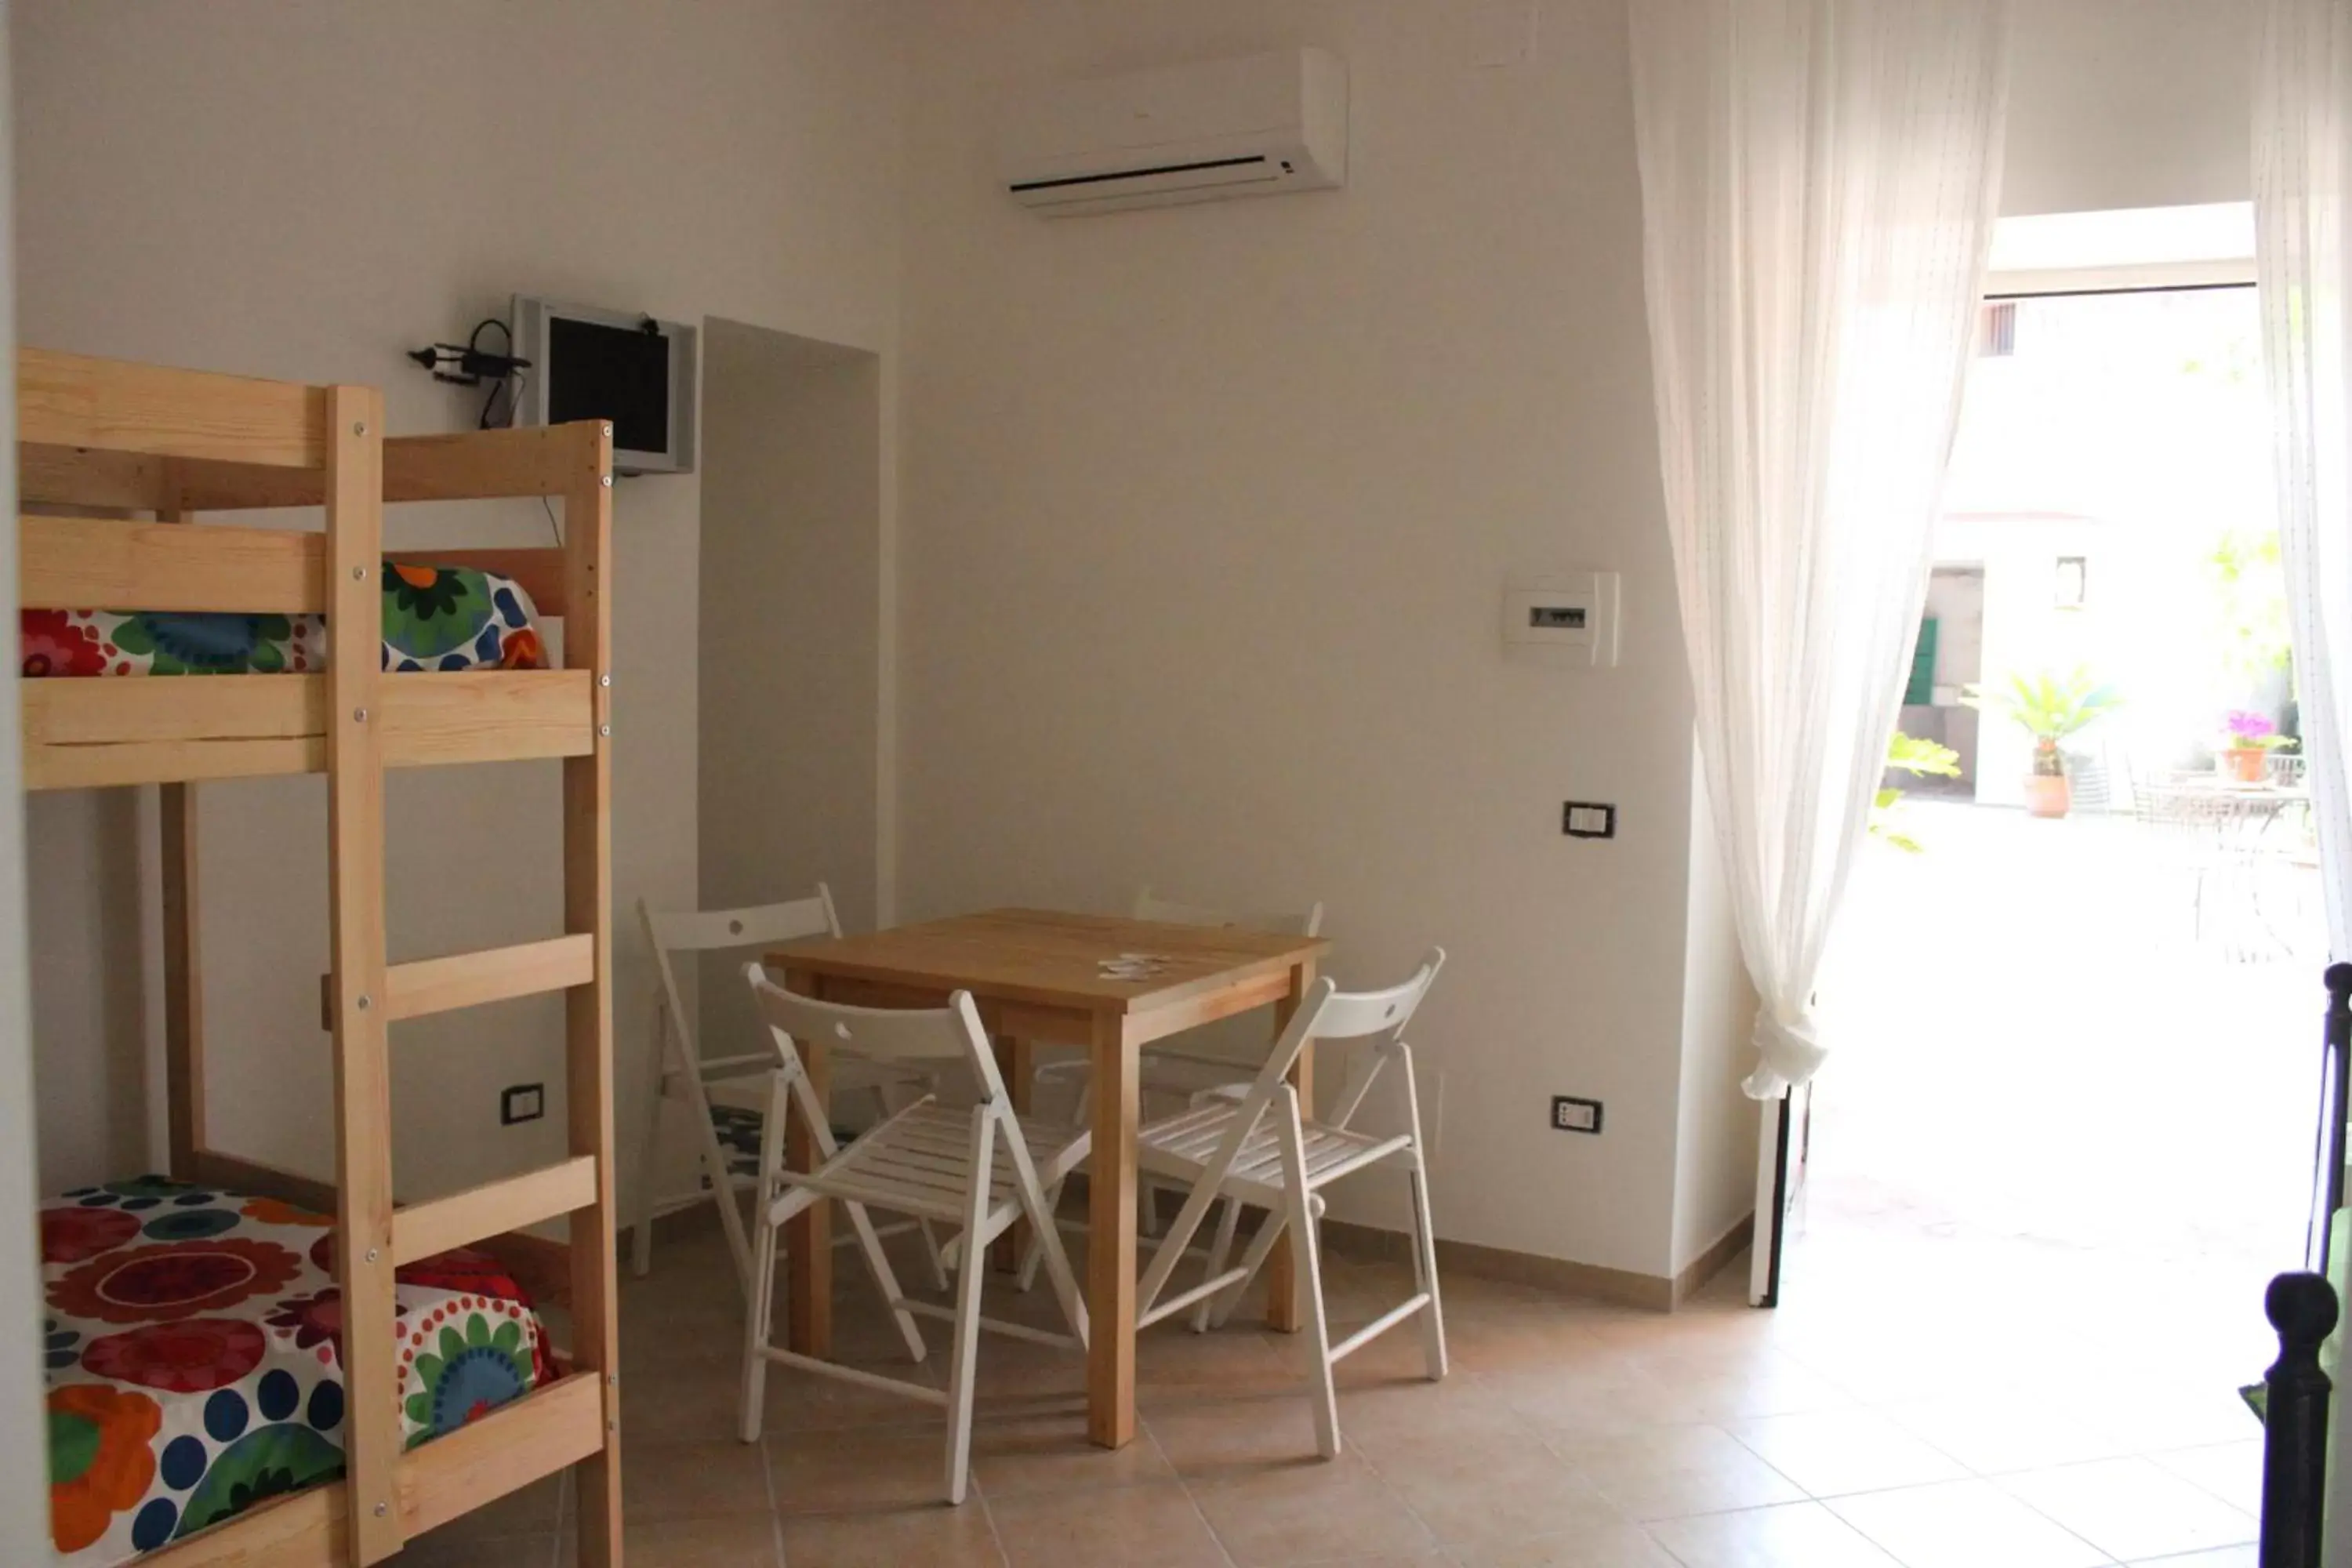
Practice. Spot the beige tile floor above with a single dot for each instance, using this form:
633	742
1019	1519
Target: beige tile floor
1887	1418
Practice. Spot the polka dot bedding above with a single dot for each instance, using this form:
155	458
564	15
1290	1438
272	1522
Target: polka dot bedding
193	1352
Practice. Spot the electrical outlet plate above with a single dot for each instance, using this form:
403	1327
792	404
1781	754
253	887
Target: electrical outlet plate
1569	1114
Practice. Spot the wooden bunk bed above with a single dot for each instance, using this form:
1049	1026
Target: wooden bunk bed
111	440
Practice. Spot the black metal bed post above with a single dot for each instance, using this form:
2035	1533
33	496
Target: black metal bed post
2337	1089
2302	1308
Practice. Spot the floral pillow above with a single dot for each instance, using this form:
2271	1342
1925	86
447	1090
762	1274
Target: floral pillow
435	618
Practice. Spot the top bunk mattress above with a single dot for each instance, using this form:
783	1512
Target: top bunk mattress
195	1363
435	618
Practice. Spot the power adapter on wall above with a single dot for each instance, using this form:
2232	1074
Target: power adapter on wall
470	364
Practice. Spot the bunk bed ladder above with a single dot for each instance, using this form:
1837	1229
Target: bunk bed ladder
364	1257
588	1009
367	994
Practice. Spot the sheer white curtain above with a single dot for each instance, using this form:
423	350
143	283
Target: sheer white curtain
1818	184
2302	262
2302	268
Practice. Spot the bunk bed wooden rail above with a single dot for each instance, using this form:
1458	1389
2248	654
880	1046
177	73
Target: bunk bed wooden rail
81	561
100	436
81	734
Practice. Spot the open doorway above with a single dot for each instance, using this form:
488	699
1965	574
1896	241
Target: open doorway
789	768
2076	989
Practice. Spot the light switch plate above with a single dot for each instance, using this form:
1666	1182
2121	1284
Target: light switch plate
1588	819
523	1102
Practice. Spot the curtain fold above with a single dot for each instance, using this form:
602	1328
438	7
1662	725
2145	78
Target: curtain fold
2303	267
1818	183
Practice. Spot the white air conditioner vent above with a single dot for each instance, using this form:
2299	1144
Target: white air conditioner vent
1264	125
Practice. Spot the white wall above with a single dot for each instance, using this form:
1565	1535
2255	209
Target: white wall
304	192
2129	103
1715	1145
1206	516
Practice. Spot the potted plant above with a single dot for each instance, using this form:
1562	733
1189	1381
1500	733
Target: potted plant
2247	743
2049	708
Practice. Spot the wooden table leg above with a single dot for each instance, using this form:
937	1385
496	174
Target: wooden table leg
808	1237
1283	1311
1110	1258
1014	1064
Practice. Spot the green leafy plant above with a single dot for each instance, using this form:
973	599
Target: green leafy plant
2049	708
1917	757
2249	606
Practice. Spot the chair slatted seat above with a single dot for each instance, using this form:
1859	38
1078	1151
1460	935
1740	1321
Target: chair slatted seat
1183	1144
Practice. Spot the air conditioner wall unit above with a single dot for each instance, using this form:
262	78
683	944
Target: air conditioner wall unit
1260	126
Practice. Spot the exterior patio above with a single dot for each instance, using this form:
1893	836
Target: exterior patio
2061	1088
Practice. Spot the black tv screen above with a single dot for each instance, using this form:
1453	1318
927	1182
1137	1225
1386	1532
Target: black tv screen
596	372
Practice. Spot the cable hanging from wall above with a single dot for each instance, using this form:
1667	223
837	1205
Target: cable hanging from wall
470	364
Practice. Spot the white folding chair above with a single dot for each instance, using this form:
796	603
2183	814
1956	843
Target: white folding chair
1167	1070
1261	1150
726	1134
980	1170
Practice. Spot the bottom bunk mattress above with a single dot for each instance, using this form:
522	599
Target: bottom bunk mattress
435	618
193	1340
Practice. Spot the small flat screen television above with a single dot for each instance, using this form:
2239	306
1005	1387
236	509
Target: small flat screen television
635	371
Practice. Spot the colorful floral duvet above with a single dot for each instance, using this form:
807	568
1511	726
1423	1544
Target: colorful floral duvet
434	618
193	1358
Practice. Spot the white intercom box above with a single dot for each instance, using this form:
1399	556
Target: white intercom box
1570	617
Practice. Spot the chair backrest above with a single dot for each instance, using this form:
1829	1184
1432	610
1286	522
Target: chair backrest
711	931
714	930
1329	1014
1149	906
1352	1014
934	1034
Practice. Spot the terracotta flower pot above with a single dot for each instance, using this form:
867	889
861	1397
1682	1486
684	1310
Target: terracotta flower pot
2247	765
2047	794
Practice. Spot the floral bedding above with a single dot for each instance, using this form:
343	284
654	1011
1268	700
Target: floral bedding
435	618
193	1354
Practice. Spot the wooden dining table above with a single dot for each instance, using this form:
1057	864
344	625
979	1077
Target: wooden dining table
1038	978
